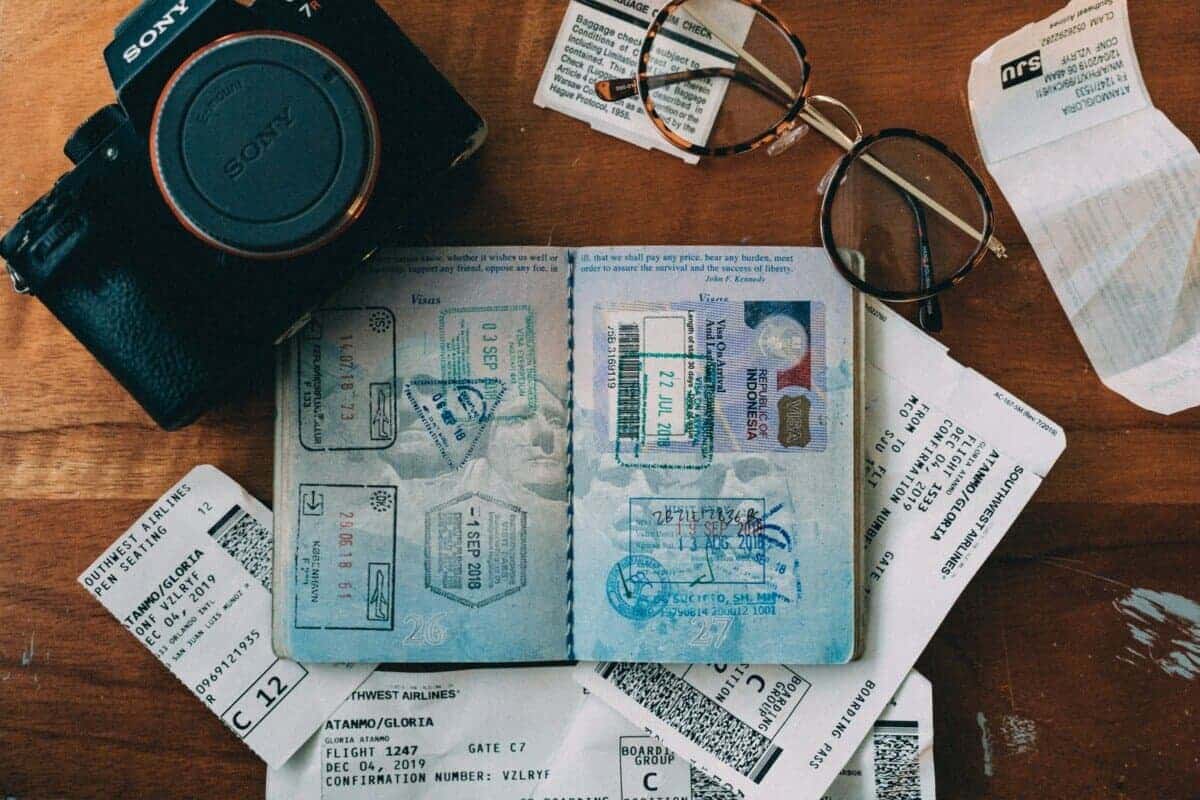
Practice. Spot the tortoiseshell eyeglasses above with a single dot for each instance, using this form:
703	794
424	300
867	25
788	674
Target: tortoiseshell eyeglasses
903	217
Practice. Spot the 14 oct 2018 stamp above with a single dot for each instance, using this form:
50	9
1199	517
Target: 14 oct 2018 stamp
455	413
475	549
346	380
493	343
345	565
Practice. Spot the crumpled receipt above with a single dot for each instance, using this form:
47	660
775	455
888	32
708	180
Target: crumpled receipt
1106	189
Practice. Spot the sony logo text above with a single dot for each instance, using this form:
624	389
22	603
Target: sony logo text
151	35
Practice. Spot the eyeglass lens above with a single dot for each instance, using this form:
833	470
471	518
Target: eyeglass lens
701	87
906	249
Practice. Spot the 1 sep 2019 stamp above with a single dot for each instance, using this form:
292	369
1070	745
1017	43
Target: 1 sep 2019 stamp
475	549
346	380
493	343
345	562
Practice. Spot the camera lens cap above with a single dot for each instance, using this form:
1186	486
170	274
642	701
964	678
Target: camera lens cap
264	144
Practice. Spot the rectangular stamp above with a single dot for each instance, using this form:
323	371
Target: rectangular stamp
718	376
493	343
346	380
345	557
702	540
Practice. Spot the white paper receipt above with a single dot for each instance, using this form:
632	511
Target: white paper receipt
602	39
191	580
950	460
530	733
1106	189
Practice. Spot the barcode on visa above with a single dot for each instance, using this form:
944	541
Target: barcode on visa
695	715
897	764
629	381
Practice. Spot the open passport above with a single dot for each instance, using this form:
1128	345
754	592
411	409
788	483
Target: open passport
539	454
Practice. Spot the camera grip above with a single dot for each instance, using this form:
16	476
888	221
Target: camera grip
150	346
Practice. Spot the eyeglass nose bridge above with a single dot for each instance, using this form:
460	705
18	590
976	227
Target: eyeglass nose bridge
810	117
811	114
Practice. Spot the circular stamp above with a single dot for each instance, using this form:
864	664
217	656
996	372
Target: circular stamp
638	587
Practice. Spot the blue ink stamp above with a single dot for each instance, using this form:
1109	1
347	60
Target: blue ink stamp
702	540
475	550
455	413
495	343
638	587
345	558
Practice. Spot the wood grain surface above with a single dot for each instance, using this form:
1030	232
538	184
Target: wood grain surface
1036	694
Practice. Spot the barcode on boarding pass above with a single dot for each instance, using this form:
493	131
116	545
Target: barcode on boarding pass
897	767
702	720
245	538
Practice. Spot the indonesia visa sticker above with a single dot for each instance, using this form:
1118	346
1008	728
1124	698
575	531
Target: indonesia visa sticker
191	580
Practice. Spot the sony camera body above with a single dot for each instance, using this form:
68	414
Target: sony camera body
259	153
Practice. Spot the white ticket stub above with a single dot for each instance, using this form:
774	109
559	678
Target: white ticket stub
896	759
950	461
192	581
602	39
499	733
1106	189
464	735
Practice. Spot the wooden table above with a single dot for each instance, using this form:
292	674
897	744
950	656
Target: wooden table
1035	692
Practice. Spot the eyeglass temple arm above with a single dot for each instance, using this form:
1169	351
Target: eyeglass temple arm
824	126
930	313
624	88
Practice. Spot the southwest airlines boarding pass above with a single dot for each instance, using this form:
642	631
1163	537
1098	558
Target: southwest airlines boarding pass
531	733
191	580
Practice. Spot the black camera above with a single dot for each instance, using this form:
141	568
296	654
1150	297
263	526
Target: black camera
260	152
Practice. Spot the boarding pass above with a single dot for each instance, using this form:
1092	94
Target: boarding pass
191	580
531	733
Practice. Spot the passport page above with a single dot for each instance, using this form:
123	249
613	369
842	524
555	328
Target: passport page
421	463
949	461
715	496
